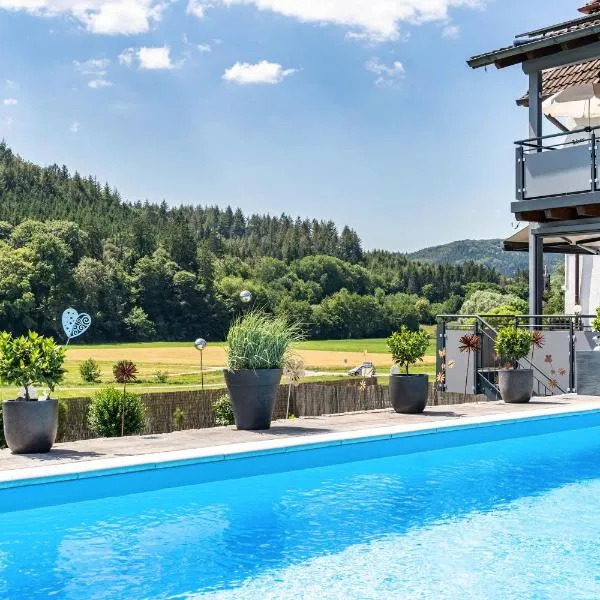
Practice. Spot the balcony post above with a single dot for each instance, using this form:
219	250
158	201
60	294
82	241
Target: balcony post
536	273
535	106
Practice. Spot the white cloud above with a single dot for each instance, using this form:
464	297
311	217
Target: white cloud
11	85
387	75
262	72
126	57
197	8
92	66
74	127
10	101
96	84
377	20
204	48
149	58
451	31
97	68
98	16
155	58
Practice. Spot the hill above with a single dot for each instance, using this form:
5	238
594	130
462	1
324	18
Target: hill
484	252
148	271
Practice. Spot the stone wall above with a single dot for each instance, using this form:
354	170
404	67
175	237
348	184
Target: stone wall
306	400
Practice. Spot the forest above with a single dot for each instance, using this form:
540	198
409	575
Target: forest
148	271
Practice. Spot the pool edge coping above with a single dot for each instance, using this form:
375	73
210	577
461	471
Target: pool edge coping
39	475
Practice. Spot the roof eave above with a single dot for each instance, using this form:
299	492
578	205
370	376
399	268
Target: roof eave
507	57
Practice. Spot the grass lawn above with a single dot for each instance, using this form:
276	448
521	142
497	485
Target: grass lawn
330	358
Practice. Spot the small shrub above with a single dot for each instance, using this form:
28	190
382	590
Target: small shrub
112	411
408	347
161	376
178	418
89	371
513	344
223	410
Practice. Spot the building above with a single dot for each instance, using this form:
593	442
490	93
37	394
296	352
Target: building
557	186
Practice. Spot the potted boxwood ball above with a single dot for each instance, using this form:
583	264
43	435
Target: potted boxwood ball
408	393
516	384
258	348
30	426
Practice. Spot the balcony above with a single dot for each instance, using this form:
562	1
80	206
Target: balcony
557	177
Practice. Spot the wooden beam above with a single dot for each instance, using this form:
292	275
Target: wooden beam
533	216
567	57
556	123
565	213
589	210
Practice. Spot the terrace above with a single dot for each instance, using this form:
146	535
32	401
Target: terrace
142	452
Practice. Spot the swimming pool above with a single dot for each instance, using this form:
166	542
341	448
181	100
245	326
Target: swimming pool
438	515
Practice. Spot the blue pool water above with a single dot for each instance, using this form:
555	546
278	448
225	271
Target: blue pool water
518	518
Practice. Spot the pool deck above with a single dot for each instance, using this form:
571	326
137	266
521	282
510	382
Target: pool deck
86	456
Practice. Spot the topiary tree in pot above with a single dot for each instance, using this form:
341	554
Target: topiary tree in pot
513	345
30	426
408	393
258	348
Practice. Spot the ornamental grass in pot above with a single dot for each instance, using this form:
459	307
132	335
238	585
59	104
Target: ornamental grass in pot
258	349
408	392
513	345
30	425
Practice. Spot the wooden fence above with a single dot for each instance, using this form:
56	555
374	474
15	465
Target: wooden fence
306	400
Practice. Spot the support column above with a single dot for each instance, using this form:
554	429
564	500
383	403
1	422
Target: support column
536	272
535	105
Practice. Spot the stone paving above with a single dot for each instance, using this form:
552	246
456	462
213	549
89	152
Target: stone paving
106	448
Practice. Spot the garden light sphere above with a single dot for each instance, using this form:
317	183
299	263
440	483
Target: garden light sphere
200	344
246	296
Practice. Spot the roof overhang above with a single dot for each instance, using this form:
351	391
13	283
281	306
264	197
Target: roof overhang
542	43
587	244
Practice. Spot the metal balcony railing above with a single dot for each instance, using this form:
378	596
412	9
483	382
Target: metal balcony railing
558	164
553	362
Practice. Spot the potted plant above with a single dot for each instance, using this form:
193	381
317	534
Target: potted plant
30	426
512	345
258	349
408	393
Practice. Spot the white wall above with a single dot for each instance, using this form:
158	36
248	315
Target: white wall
589	280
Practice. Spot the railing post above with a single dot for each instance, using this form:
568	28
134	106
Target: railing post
520	172
477	360
441	359
593	181
571	356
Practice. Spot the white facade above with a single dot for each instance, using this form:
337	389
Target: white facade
589	284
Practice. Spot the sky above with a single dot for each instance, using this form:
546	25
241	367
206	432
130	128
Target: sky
359	111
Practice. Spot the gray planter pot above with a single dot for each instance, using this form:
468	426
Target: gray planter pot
253	396
408	393
30	427
516	385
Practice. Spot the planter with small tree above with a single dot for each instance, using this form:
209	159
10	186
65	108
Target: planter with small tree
258	349
30	425
408	393
513	345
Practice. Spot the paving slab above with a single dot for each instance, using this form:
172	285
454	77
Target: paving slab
226	440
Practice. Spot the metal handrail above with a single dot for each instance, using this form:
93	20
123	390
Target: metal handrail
555	135
526	360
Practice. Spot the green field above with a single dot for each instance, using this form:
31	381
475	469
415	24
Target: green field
330	359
